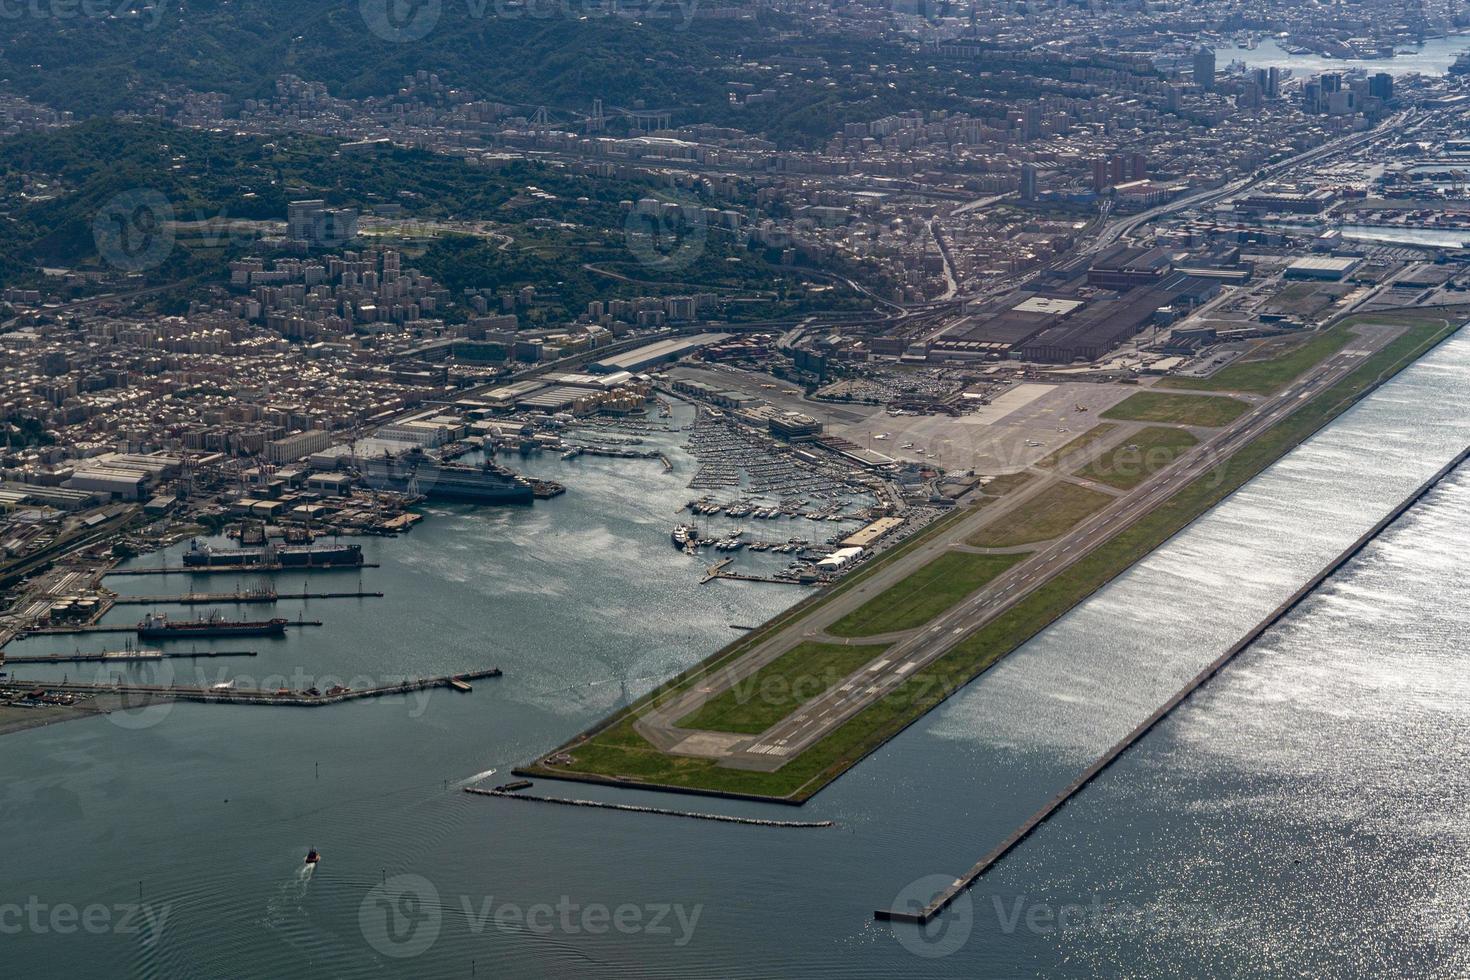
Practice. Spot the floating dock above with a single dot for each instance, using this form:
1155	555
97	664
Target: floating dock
719	817
948	895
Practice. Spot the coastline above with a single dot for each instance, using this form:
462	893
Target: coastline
935	685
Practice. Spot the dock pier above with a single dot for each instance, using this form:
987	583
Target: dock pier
277	698
122	656
119	628
963	883
236	569
237	598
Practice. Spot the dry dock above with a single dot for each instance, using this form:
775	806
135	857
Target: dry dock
948	895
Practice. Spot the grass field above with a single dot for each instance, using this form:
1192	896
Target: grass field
1053	512
1079	446
1007	482
1141	456
616	752
931	590
753	704
1211	411
1270	367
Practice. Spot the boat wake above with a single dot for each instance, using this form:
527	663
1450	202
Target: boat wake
476	777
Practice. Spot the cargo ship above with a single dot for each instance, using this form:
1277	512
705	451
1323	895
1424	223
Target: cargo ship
201	554
418	475
159	627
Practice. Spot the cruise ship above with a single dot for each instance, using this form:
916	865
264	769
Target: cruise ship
202	554
422	476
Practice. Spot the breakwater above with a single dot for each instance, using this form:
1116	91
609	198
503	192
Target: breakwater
964	882
632	808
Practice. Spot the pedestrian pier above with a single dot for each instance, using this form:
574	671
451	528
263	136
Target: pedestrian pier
948	895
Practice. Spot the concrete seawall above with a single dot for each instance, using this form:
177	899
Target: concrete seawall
632	808
964	882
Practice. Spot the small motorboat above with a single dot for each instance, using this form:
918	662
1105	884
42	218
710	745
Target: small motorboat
312	857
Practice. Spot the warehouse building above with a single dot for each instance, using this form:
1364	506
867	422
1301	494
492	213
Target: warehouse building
1327	268
662	352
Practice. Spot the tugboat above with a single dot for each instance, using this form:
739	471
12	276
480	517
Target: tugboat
312	857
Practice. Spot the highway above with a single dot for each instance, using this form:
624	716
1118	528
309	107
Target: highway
911	651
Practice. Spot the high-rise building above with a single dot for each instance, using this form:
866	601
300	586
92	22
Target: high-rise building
1312	97
1032	122
1381	86
1028	181
299	216
1204	68
316	224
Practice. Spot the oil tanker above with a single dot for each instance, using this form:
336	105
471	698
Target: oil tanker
201	554
159	627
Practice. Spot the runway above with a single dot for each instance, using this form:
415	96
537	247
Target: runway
911	651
